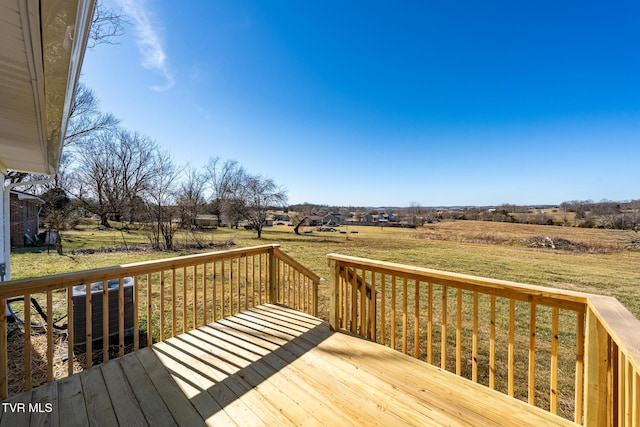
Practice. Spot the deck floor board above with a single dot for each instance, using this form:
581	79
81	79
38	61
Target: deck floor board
272	365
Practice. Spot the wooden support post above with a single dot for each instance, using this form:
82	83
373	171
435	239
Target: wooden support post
334	292
596	365
4	389
273	277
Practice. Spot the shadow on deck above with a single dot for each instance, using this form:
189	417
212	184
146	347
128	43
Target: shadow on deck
270	365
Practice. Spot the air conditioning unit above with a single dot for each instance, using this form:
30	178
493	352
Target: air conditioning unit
80	310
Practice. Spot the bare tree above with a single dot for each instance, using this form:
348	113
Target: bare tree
56	211
191	198
161	198
106	24
225	181
300	216
416	214
85	118
234	209
261	194
114	169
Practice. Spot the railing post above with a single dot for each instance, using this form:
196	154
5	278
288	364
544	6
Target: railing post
334	295
273	276
596	364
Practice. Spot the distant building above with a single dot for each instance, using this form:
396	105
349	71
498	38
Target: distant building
207	221
314	220
333	219
25	218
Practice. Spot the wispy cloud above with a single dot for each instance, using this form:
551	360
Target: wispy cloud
149	42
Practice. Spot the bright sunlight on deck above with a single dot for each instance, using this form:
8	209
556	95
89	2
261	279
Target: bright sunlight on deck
271	365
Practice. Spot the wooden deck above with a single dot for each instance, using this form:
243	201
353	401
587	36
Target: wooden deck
269	366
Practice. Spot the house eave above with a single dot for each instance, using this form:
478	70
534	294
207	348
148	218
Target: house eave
41	50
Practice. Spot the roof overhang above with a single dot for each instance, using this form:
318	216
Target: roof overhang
28	197
42	44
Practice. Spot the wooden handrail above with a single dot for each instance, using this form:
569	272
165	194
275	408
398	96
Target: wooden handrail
622	326
62	280
605	341
554	297
169	296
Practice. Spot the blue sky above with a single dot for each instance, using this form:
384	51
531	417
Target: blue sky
377	104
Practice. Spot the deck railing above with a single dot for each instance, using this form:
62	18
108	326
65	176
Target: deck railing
166	297
572	353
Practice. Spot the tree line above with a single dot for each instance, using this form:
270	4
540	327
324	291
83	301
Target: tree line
575	213
122	175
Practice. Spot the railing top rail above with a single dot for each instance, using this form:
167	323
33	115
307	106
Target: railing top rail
573	300
58	281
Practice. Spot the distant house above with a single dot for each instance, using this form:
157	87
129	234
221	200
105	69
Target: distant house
25	218
314	220
333	219
207	221
281	217
367	218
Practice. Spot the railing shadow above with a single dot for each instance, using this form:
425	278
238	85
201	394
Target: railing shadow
225	360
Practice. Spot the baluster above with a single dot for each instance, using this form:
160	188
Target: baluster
373	312
492	345
393	312
383	305
214	291
149	315
354	301
205	302
579	388
27	341
363	303
512	336
222	290
195	296
173	302
105	321
459	332
430	324
405	315
162	296
88	325
49	336
532	353
416	321
184	300
136	327
474	351
246	283
554	361
70	331
443	338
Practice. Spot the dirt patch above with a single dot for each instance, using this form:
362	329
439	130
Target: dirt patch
148	248
558	243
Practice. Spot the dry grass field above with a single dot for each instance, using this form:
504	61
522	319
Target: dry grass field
589	260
